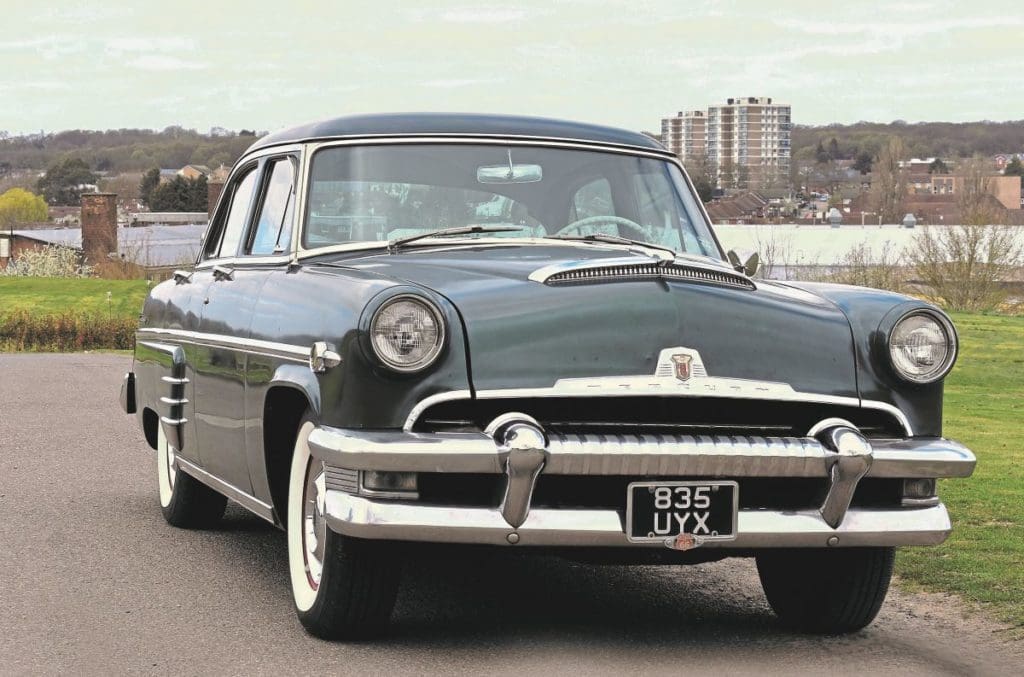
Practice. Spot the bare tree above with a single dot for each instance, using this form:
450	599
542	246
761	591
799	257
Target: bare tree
974	198
963	266
775	250
863	266
888	183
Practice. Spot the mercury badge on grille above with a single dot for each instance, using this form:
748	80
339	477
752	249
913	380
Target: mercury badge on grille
682	362
680	371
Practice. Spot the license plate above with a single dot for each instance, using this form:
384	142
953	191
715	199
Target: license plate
656	511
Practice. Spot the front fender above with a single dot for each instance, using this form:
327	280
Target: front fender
871	313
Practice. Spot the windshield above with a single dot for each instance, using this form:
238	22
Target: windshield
388	192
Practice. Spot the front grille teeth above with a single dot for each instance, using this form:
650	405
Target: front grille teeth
649	271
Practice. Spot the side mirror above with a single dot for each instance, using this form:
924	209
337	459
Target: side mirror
749	267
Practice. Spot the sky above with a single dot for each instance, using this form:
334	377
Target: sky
108	64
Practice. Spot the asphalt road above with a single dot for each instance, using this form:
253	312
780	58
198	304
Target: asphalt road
92	581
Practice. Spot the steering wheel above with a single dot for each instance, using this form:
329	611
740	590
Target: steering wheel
637	231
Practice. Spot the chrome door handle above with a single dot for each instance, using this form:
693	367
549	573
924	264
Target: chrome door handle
222	273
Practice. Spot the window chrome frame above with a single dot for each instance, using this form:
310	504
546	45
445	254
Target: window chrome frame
240	261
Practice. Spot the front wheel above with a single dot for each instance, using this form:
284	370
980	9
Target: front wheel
832	591
185	501
343	588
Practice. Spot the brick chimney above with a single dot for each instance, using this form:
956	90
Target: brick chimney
213	191
99	225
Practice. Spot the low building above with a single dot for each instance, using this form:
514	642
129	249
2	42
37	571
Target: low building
1005	189
741	208
1003	159
192	172
157	249
166	218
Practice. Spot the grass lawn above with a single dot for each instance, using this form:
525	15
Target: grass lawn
983	560
56	296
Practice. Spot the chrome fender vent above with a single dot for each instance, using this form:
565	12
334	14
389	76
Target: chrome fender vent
611	270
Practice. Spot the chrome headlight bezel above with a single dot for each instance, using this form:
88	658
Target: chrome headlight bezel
435	350
944	366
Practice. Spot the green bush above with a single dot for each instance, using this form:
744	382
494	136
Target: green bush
66	332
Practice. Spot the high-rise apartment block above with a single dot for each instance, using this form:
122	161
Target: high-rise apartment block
686	134
745	140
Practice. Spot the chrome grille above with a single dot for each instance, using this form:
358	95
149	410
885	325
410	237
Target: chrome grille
691	455
341	479
641	415
649	271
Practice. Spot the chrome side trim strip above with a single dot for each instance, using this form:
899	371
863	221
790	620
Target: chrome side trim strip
173	423
641	455
892	410
365	518
269	348
427	402
624	386
247	501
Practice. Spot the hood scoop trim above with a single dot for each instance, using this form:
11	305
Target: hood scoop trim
632	270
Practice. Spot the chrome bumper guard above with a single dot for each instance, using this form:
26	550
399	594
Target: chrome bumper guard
516	446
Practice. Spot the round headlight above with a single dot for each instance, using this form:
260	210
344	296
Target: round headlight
407	333
922	347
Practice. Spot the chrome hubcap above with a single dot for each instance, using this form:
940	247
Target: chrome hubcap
314	523
172	466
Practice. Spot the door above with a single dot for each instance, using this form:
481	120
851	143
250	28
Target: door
218	356
255	241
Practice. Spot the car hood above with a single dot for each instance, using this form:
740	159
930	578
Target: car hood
522	333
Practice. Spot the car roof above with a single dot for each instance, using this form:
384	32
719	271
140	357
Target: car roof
457	124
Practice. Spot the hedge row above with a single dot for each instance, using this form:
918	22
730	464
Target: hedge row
66	332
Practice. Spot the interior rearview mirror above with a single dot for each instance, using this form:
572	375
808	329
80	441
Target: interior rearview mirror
509	173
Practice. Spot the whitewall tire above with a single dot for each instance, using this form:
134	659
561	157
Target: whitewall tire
343	588
184	500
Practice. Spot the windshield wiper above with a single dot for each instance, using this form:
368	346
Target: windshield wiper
612	239
398	242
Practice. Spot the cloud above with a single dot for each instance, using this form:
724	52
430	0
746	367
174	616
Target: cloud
157	62
49	47
454	83
162	44
896	31
476	15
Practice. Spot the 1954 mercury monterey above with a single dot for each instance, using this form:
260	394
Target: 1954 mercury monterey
523	333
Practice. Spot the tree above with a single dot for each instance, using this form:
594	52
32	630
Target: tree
1014	168
964	266
20	206
938	167
974	199
179	195
888	183
703	175
63	182
150	180
833	149
820	154
863	162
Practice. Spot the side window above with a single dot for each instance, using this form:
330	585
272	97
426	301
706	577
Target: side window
234	224
272	233
593	199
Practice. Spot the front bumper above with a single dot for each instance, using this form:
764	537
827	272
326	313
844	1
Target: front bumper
345	452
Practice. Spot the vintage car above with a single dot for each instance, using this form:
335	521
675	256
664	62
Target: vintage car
523	333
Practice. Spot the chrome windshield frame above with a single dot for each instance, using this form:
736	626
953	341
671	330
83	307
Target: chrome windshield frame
300	251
